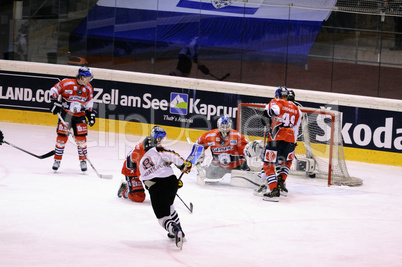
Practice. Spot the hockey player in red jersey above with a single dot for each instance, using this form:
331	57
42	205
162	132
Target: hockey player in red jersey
73	100
132	188
157	175
227	148
282	119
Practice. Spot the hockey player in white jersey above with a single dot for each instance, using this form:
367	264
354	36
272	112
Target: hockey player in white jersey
159	179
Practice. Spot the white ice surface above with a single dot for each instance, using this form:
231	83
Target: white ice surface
72	219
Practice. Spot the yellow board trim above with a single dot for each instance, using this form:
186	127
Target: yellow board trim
177	133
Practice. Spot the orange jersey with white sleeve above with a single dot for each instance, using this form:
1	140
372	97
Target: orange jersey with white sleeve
286	119
229	153
130	166
156	163
75	98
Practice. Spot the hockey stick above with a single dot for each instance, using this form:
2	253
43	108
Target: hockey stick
191	204
223	77
195	154
44	156
189	141
104	176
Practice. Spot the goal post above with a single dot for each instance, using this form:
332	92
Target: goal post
319	151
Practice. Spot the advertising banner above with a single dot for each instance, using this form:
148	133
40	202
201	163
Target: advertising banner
185	108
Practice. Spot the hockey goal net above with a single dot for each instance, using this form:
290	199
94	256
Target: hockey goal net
319	151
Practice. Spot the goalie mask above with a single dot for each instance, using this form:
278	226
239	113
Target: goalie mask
281	92
224	126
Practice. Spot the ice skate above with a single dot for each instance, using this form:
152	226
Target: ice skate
179	235
56	164
179	239
123	187
272	196
83	165
261	190
173	236
282	187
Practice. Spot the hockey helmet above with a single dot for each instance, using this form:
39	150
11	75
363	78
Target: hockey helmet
291	95
149	143
281	91
85	72
224	126
158	134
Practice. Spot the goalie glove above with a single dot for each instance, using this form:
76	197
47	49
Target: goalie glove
266	119
91	117
56	108
254	149
186	167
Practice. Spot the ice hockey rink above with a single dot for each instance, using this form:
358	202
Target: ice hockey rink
69	218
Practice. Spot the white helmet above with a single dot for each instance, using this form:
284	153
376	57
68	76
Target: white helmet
224	126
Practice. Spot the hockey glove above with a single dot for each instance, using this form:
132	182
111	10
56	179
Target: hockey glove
186	167
203	69
91	117
56	108
179	183
1	137
266	119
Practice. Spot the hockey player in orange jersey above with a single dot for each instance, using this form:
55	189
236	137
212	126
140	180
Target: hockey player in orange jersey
132	188
282	119
227	148
73	100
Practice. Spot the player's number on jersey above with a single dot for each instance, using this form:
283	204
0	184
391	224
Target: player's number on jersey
147	163
288	120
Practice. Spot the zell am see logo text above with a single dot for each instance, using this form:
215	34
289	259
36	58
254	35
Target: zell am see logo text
178	103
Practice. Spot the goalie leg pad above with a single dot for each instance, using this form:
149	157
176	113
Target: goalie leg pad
247	179
214	171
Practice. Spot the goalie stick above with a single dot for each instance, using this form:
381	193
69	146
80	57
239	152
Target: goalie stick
195	154
104	176
44	156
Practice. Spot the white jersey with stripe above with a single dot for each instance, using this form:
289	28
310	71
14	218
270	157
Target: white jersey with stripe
156	163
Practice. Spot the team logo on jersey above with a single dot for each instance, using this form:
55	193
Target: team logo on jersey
270	156
69	92
79	92
178	103
222	149
291	156
233	142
